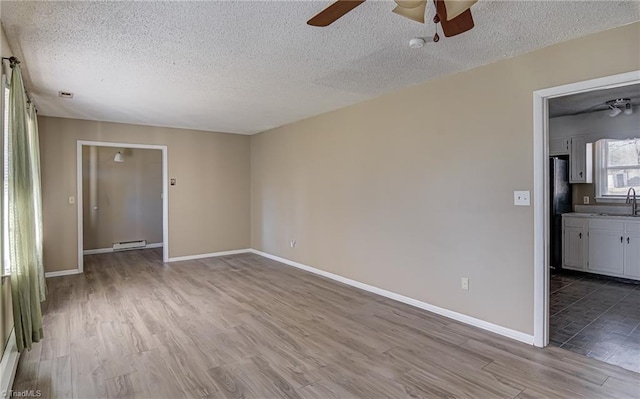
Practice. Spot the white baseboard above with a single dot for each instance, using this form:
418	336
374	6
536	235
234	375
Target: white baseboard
176	259
9	364
62	273
107	250
97	251
210	255
485	325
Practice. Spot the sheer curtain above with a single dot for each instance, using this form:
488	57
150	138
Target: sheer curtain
34	153
25	216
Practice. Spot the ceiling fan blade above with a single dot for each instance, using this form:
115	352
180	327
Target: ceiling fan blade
458	25
334	12
415	14
409	3
457	7
455	26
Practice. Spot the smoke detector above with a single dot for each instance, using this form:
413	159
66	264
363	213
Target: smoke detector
417	42
65	94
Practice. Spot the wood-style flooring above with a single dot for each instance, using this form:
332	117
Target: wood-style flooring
247	327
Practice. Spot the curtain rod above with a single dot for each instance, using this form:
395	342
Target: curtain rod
12	62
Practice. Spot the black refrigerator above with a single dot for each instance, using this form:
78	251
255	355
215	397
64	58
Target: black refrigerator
561	202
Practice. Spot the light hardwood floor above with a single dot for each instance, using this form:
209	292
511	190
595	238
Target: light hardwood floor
247	327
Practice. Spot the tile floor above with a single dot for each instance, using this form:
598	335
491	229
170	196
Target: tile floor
596	316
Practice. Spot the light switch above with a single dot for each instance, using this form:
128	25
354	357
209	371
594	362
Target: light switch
72	200
522	198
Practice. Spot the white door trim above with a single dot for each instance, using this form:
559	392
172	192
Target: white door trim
165	192
541	189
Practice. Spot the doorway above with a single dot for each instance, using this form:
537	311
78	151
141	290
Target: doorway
542	193
96	209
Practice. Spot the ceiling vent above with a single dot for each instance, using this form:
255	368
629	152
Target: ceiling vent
65	94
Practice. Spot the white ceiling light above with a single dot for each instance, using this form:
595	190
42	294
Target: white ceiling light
616	105
615	111
118	157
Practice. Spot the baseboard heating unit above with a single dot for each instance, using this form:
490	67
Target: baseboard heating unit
126	245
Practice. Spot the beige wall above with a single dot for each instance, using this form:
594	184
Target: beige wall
6	313
127	198
586	190
208	207
414	190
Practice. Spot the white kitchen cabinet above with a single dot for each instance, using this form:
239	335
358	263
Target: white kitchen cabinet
632	251
581	161
601	244
561	146
574	243
606	247
574	248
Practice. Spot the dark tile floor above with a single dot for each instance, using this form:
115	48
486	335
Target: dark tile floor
596	316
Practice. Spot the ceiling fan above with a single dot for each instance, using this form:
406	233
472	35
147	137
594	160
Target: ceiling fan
453	15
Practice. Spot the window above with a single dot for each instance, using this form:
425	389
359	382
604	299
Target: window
617	168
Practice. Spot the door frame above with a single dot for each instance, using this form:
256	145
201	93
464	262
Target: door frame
541	189
79	196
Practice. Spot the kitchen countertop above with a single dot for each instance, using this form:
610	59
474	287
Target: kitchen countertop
602	216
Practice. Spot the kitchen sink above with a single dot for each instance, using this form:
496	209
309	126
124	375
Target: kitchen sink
617	215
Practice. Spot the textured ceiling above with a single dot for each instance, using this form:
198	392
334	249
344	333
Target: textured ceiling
593	101
244	67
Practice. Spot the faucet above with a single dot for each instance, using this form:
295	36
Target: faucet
633	201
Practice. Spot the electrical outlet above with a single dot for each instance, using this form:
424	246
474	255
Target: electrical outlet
585	200
72	200
522	198
292	243
464	282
